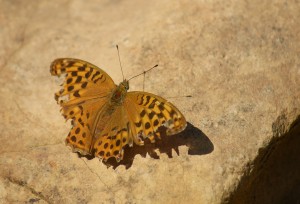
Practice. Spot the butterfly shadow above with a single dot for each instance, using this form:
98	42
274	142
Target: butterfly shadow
192	137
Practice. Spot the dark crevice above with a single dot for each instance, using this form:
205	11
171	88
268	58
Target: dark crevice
274	176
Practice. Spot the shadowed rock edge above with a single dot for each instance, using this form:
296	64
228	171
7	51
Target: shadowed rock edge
274	175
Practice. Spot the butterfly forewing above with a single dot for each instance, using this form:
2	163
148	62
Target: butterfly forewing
150	113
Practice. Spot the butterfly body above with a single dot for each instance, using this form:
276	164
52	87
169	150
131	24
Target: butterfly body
120	92
106	117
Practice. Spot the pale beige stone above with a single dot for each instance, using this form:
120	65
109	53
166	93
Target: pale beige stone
240	60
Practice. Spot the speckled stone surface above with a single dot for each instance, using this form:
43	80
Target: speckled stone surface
238	59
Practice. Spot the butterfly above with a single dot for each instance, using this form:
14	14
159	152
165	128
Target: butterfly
105	117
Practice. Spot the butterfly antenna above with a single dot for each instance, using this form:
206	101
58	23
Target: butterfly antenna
120	61
187	96
144	81
144	72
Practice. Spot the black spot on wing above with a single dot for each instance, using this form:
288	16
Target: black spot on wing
151	115
76	93
79	78
70	88
83	85
69	80
82	68
139	124
143	113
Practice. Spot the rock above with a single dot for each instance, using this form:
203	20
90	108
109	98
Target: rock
239	60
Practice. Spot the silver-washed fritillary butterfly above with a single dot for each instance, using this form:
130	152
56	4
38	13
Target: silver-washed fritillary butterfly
105	117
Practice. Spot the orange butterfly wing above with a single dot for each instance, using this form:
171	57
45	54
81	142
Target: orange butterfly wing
86	88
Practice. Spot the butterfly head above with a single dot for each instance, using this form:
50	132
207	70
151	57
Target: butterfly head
124	85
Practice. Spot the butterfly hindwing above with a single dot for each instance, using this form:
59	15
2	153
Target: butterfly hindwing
112	133
79	138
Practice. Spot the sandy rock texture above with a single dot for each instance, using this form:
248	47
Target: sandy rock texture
240	61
